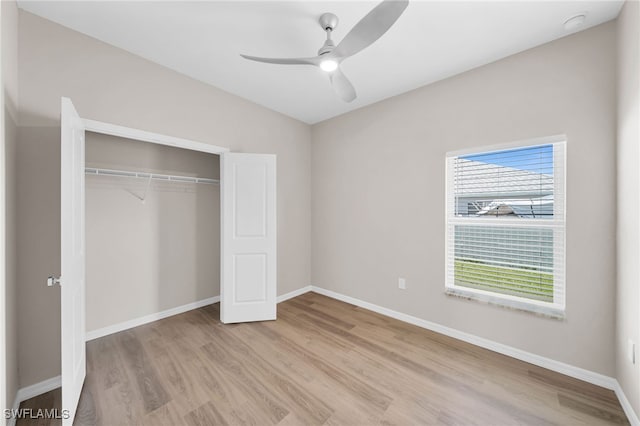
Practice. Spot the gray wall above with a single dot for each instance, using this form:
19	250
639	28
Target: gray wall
38	251
148	256
378	185
628	238
10	81
109	84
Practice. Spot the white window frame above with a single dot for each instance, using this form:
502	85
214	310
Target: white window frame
558	224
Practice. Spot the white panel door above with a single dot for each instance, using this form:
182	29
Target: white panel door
248	245
72	279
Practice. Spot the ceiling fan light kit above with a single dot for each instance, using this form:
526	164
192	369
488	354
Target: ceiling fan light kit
363	34
328	65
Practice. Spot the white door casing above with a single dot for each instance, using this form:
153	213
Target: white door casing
248	237
72	256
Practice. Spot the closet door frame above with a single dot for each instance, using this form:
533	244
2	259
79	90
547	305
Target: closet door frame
156	138
159	139
88	125
226	186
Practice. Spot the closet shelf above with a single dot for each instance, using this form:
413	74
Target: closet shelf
147	175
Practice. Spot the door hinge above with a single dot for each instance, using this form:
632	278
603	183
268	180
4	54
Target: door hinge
53	280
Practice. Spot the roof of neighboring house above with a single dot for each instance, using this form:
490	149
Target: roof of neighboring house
485	180
529	208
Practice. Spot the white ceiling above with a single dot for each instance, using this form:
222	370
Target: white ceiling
432	40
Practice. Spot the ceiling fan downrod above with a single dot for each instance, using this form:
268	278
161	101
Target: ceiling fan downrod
328	22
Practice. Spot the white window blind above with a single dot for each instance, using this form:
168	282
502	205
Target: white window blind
506	225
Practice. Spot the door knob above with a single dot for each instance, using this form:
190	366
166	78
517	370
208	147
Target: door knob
53	280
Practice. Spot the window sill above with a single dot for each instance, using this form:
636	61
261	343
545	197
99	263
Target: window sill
543	311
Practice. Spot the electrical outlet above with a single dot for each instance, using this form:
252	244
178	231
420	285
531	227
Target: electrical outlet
402	284
631	351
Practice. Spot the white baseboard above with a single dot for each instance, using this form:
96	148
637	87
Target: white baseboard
55	382
626	406
293	294
548	363
29	392
557	366
115	328
560	367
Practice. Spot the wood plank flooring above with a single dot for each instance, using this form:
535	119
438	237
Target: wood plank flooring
323	362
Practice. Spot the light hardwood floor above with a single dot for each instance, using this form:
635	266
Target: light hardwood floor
322	362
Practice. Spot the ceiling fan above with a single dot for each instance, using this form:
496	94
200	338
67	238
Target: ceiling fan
364	33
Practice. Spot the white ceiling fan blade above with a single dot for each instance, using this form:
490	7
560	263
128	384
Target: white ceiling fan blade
371	27
342	85
284	61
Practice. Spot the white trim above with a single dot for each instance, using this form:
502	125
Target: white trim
507	301
507	222
115	328
143	135
557	225
548	363
33	390
294	293
557	366
39	388
626	405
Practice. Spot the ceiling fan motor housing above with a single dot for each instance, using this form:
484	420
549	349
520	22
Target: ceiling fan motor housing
328	21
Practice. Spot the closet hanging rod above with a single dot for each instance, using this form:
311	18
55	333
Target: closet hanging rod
147	175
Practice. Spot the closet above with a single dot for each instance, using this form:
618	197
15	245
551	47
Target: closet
154	224
152	230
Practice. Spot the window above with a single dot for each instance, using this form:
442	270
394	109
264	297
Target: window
506	225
